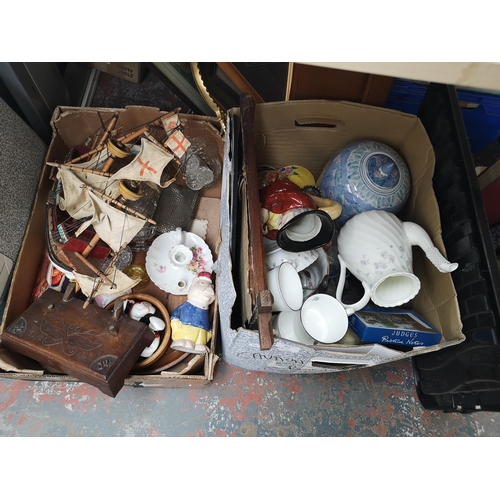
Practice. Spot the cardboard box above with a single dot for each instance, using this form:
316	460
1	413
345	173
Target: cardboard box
71	126
131	72
306	81
309	133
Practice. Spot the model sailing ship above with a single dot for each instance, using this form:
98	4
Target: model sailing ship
104	194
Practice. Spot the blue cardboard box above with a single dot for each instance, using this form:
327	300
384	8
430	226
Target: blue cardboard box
403	327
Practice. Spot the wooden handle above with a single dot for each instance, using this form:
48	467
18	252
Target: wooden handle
93	268
239	80
107	132
92	243
257	274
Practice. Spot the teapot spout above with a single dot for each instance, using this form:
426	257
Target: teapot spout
418	236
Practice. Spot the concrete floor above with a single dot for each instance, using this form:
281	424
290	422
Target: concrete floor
377	401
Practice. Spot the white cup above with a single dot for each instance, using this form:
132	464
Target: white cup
288	326
324	318
286	288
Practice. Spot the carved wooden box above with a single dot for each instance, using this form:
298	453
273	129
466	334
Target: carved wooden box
89	344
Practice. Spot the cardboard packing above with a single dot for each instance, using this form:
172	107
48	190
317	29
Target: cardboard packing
71	126
309	133
132	72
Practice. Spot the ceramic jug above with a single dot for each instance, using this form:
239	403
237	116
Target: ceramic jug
376	247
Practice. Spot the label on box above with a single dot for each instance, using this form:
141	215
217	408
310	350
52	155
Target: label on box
393	326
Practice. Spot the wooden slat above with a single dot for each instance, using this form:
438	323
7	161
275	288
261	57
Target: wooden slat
261	297
239	80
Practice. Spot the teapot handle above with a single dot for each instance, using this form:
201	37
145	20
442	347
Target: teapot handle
351	308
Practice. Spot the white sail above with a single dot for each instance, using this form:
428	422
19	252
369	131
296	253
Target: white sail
75	200
113	226
147	166
95	163
121	283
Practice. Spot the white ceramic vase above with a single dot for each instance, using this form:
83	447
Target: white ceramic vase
376	247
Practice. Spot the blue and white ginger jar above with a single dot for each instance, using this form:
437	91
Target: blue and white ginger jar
366	175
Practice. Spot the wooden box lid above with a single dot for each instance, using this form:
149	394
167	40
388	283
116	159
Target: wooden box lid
89	344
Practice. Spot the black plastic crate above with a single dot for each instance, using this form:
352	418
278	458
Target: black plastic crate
466	377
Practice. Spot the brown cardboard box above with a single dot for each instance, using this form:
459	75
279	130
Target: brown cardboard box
315	82
71	126
309	133
131	72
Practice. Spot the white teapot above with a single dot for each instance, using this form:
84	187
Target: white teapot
376	247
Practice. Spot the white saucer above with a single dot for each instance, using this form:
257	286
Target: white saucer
317	271
275	256
170	278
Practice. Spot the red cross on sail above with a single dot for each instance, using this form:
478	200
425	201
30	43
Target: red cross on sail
178	143
171	123
147	166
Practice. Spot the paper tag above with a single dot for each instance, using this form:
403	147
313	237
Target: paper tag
6	265
178	143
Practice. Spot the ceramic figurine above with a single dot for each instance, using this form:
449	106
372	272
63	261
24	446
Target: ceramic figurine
298	175
190	322
366	175
277	199
268	175
145	311
139	310
294	219
156	325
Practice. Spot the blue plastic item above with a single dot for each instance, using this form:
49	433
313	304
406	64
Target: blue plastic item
480	112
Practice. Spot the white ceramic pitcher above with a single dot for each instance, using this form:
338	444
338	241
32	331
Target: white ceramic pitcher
376	247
